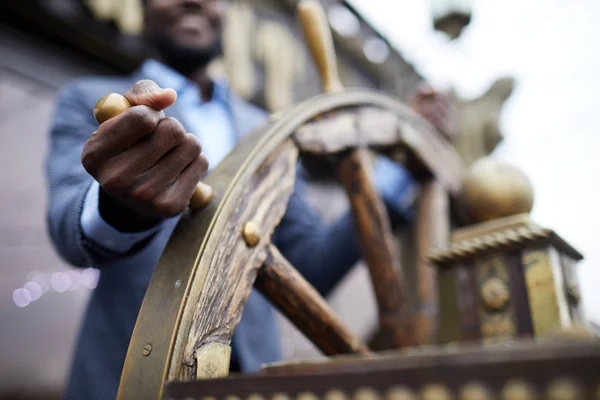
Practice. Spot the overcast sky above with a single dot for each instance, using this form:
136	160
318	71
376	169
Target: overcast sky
551	122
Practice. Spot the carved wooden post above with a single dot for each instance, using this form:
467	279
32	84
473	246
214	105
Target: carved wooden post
433	232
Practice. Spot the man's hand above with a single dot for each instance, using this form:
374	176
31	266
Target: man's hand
435	107
145	161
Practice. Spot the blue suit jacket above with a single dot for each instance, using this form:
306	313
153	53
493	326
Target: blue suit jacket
322	253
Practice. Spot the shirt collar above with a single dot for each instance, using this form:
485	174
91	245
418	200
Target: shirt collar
167	77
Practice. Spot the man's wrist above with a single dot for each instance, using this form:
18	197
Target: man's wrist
123	218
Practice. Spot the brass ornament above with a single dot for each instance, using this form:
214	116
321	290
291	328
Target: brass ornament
109	106
474	391
564	389
495	294
493	189
280	396
255	396
400	393
518	390
307	396
251	234
436	392
366	393
335	394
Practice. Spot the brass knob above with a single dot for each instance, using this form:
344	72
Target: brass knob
495	294
564	389
518	390
475	391
251	234
114	104
436	392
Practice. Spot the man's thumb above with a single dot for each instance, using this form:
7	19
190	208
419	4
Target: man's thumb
148	93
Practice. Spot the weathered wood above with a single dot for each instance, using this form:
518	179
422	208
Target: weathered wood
226	289
378	248
346	129
540	366
386	131
287	289
170	308
432	231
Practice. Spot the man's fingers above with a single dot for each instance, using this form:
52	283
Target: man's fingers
162	175
177	196
148	93
147	152
120	133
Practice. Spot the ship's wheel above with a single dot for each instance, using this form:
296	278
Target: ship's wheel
218	254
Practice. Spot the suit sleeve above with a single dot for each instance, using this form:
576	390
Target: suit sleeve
324	253
69	182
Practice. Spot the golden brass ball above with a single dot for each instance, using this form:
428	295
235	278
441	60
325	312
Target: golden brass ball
493	189
110	106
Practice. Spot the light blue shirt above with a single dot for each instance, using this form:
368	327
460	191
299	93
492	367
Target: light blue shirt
212	123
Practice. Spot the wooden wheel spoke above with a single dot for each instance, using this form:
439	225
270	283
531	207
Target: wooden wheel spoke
287	289
377	243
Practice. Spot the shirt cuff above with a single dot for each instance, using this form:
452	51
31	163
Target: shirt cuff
100	232
397	187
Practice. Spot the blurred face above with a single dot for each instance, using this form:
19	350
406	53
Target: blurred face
187	33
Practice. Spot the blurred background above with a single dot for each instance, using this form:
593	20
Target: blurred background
527	68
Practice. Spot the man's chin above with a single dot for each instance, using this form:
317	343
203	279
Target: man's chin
186	57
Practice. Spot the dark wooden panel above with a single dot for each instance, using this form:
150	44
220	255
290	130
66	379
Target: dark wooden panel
518	294
468	302
449	316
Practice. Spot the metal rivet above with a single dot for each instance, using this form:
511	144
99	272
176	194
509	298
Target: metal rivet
366	393
436	392
399	393
251	234
495	294
335	394
564	389
474	391
178	284
147	350
518	390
